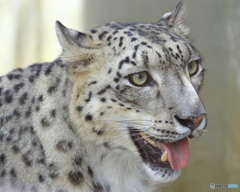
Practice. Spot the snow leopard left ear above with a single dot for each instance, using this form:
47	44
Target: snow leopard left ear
174	20
78	49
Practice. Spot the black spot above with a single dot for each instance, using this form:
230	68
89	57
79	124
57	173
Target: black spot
103	100
1	137
132	62
122	105
9	138
3	173
3	158
121	42
15	149
93	31
117	87
8	118
109	71
23	98
101	114
14	76
13	173
8	96
34	142
24	129
143	43
109	38
145	58
35	70
49	69
33	100
16	113
101	36
52	171
17	87
28	112
104	90
26	159
41	178
40	98
106	144
64	145
79	108
54	87
113	100
78	160
2	121
31	78
88	117
126	60
92	83
133	39
159	55
53	175
12	131
45	122
116	80
90	172
118	74
89	97
75	177
37	108
53	113
97	131
115	32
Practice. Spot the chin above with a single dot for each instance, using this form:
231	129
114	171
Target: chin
162	175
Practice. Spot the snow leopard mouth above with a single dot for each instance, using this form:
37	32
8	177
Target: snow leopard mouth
159	154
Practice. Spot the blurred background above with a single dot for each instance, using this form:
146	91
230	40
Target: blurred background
27	36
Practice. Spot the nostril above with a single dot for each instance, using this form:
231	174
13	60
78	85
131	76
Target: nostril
184	122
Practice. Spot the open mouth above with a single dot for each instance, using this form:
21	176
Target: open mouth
161	155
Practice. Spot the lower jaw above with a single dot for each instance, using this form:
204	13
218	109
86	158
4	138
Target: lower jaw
162	174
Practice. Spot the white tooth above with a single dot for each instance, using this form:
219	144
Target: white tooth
164	156
144	136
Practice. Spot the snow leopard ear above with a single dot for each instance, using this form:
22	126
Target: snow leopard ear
78	49
174	20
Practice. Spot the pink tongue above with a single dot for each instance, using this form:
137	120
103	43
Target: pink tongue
178	153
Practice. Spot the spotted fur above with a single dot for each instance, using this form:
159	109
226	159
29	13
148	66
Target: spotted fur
65	125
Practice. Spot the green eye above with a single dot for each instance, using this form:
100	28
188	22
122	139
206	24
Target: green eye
140	79
192	68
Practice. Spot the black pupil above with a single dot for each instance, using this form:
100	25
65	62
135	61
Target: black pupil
191	66
139	76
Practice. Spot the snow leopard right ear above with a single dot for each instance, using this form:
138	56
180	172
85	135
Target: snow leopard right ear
174	20
78	49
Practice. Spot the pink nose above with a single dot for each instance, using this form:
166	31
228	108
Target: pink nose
196	121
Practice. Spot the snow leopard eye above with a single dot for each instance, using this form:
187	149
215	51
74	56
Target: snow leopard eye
140	79
192	68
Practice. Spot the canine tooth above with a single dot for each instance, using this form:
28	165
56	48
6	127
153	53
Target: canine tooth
164	156
144	136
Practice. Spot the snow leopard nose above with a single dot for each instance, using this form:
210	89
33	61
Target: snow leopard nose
190	122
